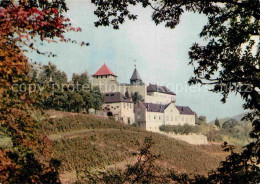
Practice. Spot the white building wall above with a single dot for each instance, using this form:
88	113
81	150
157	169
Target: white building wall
154	120
151	121
106	83
159	98
122	111
172	115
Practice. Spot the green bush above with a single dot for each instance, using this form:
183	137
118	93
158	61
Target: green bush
179	129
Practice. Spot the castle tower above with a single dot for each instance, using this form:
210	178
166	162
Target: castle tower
105	79
136	79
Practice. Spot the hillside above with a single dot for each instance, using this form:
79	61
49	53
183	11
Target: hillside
84	142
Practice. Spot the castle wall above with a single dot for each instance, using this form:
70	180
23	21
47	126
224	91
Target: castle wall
106	83
141	89
122	111
159	98
154	120
191	139
173	117
140	114
151	121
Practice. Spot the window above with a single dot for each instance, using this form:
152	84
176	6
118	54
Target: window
154	117
117	106
175	118
172	118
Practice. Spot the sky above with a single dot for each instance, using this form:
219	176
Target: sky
161	55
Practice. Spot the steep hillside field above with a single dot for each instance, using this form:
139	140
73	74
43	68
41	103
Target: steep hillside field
84	142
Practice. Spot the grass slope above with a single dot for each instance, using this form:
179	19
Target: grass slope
84	142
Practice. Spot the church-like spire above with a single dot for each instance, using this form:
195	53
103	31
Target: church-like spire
136	79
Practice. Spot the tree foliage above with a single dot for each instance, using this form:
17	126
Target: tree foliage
230	123
137	97
200	120
217	123
179	129
60	94
22	22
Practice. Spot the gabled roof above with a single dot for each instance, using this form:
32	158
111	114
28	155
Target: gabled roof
114	97
135	76
151	107
104	70
159	89
185	110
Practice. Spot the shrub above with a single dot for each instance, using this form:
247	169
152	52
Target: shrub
230	123
179	129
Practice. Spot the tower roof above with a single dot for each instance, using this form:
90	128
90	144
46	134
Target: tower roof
135	76
104	70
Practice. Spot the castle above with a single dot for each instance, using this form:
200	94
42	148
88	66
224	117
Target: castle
156	108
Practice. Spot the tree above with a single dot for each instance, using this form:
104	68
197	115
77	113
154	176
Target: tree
21	23
81	80
98	98
217	122
89	101
75	101
231	123
200	120
137	97
51	73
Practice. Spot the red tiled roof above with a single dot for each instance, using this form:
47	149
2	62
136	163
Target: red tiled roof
104	70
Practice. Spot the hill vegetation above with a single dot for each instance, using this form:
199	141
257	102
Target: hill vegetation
76	95
84	142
